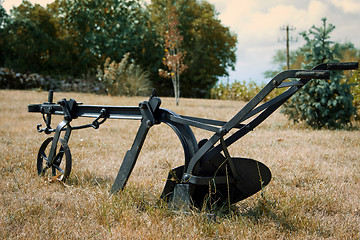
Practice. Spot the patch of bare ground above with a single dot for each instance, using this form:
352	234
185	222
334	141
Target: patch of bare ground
314	193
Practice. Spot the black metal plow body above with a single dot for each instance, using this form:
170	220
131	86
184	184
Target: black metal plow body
209	174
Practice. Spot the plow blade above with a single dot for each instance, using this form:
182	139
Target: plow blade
217	186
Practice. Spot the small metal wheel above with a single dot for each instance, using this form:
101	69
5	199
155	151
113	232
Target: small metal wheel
59	166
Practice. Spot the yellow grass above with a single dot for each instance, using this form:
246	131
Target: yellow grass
314	193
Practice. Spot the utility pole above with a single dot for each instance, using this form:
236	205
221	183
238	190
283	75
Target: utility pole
287	28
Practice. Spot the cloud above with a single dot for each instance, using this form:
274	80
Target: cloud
257	24
253	23
348	6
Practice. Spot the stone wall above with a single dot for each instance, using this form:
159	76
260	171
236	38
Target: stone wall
10	79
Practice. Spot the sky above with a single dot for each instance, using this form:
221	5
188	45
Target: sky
258	23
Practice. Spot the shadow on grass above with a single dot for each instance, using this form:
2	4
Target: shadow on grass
267	210
263	211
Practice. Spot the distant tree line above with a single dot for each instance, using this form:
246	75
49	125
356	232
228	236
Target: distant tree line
74	38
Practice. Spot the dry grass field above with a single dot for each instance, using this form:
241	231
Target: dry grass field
314	193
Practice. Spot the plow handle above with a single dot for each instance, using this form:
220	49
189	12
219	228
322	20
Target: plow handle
343	66
48	116
316	74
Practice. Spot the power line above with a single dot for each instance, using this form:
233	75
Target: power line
288	39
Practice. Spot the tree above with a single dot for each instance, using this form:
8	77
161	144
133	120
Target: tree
3	21
98	29
3	15
72	38
279	62
210	46
322	103
174	57
30	38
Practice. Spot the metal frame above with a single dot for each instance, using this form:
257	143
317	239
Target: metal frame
150	113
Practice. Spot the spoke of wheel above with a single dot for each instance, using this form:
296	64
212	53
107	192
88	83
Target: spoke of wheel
58	168
58	157
43	155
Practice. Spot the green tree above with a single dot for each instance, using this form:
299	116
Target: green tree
279	62
98	29
30	38
209	45
74	37
3	21
3	15
322	103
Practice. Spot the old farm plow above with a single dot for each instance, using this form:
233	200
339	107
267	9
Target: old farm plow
209	172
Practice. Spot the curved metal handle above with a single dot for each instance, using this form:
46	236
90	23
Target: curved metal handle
315	74
343	66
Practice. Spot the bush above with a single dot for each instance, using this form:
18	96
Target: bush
124	78
355	90
241	91
322	103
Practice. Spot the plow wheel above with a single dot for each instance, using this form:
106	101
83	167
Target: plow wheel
61	164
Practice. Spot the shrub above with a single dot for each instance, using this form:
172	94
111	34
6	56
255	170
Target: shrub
124	78
355	90
322	103
241	91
